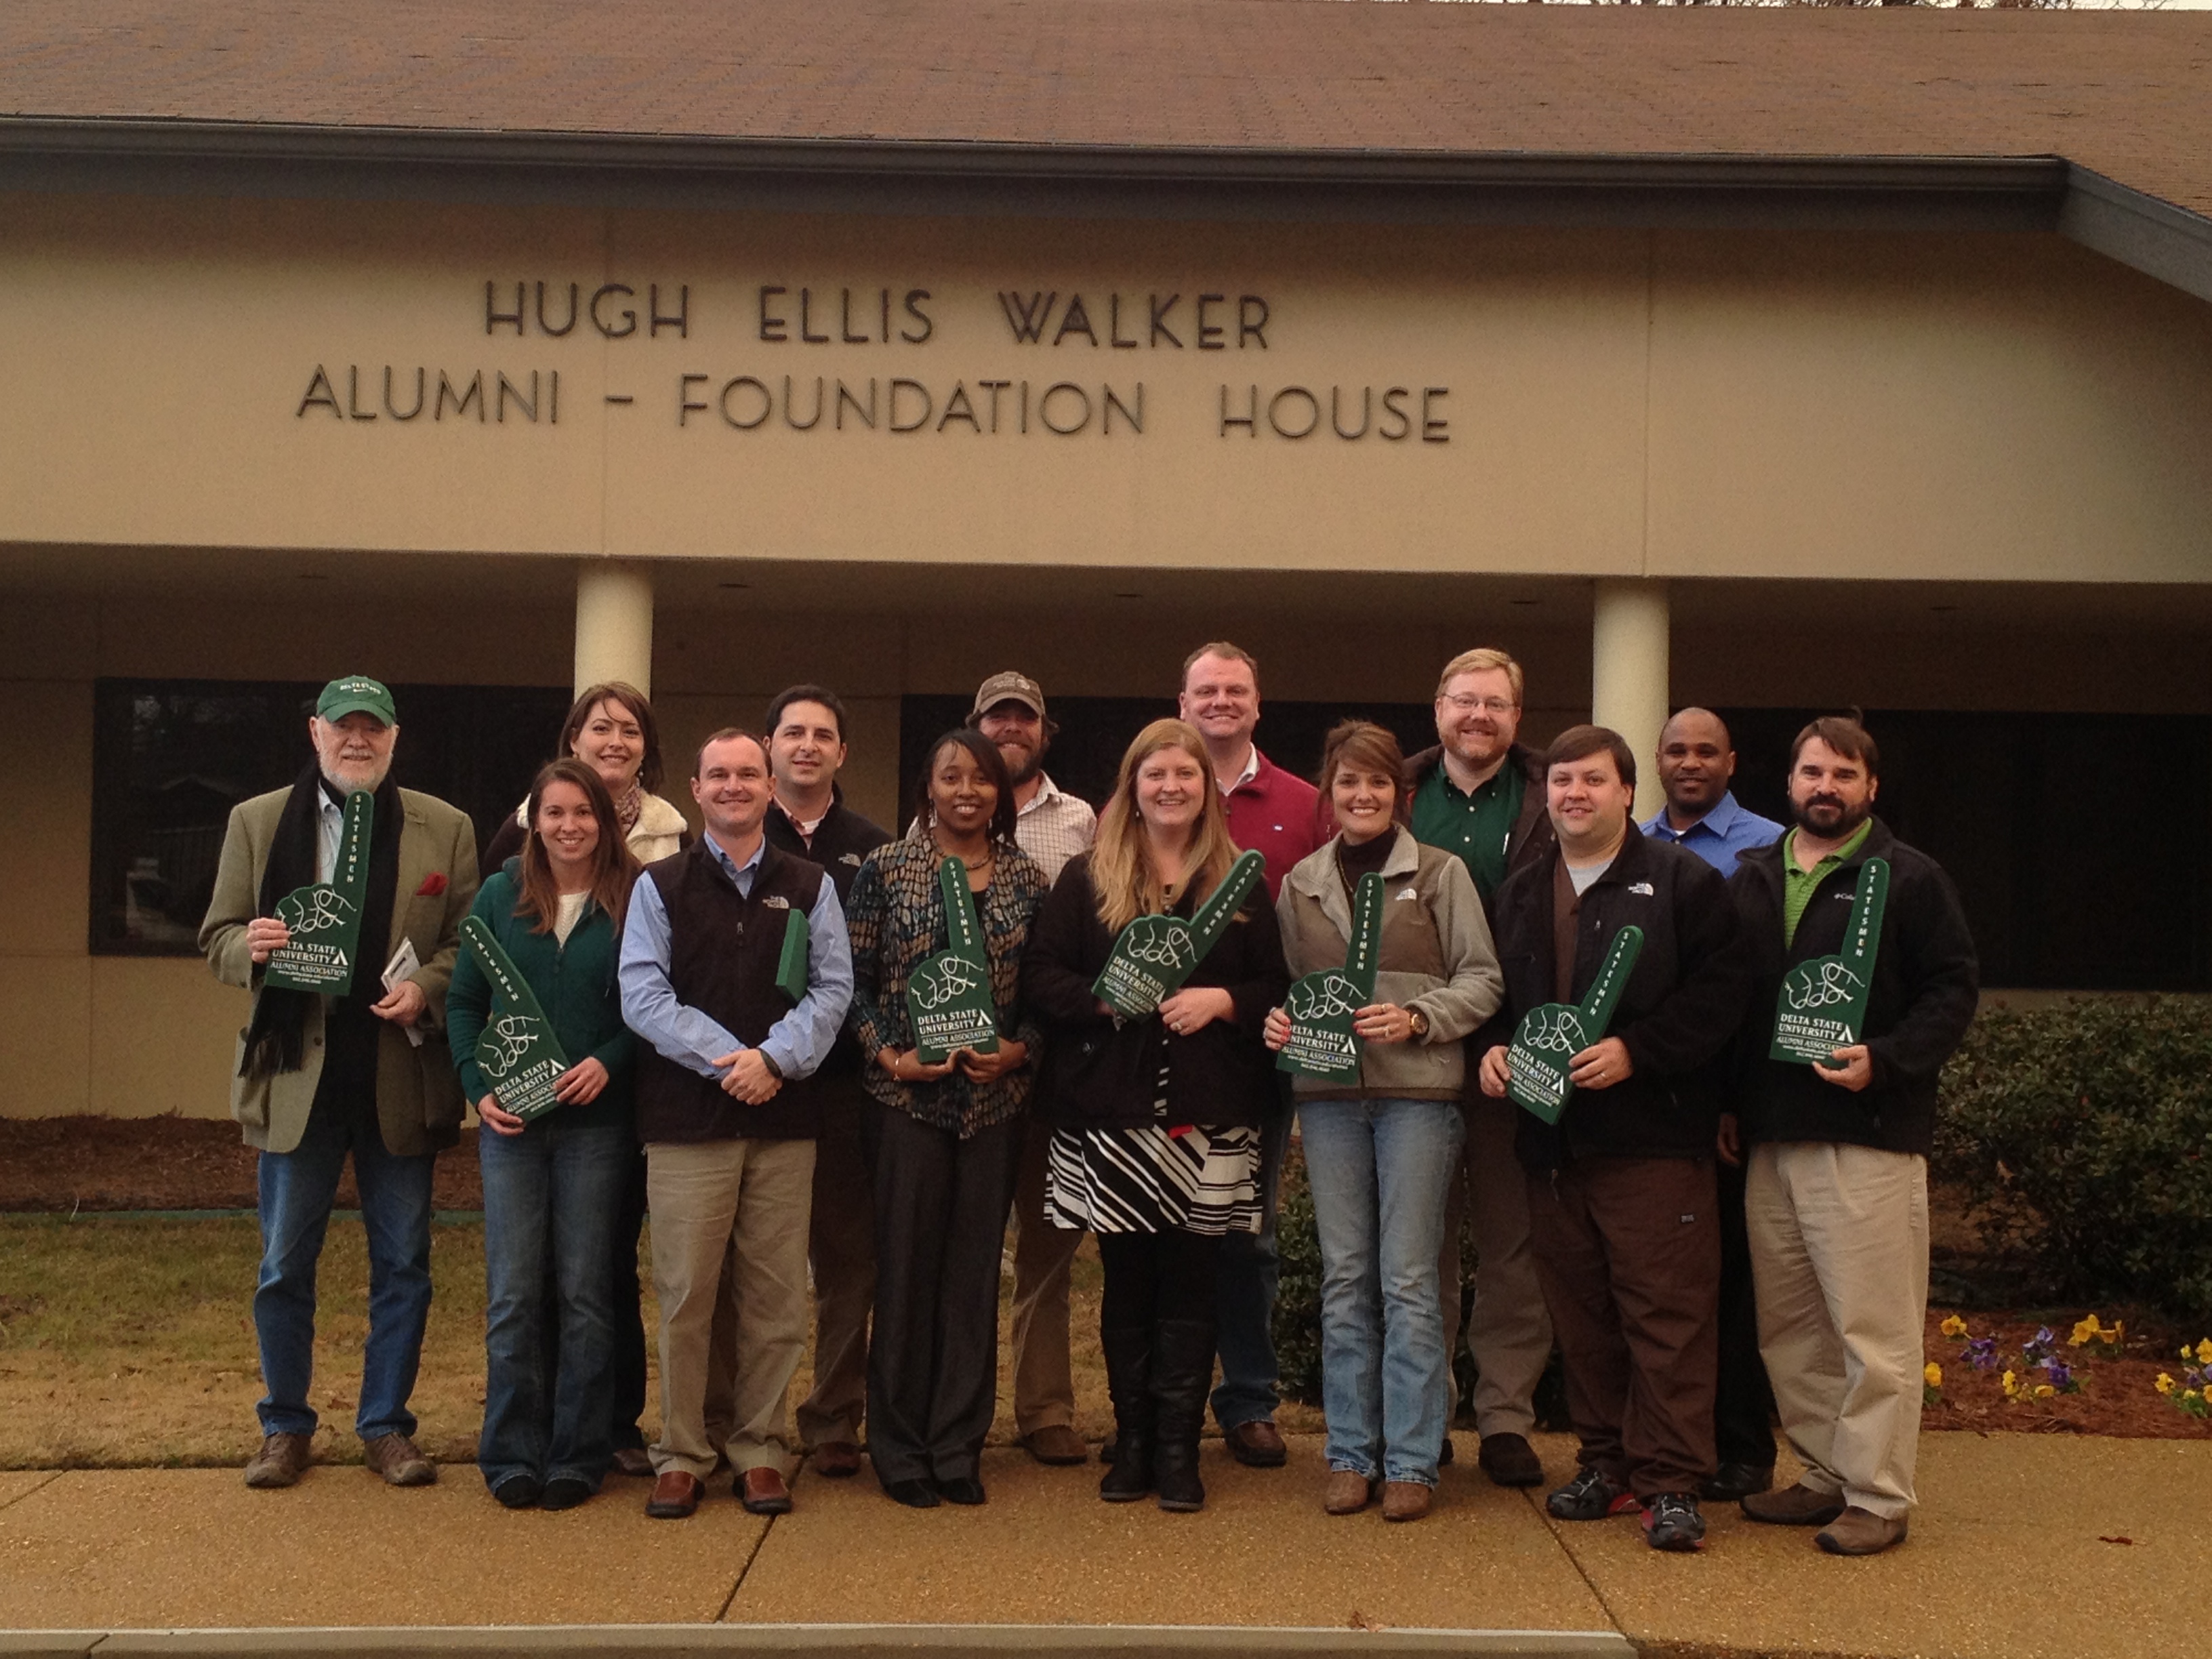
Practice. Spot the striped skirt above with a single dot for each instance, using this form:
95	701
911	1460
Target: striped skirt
1146	1180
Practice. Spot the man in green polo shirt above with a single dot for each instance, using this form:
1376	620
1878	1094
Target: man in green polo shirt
1481	794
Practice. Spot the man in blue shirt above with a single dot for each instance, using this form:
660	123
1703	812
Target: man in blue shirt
1696	761
738	1000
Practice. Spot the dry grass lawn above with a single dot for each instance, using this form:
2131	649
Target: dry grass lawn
127	1342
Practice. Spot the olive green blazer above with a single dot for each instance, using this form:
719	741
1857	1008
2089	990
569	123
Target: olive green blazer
418	1099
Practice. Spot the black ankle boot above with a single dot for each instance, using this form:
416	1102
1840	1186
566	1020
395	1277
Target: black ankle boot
1183	1369
1128	1351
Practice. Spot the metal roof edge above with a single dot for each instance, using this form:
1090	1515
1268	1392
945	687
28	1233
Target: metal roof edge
2154	236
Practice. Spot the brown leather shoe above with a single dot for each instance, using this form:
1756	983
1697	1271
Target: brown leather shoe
1860	1532
675	1495
281	1460
1510	1461
1405	1500
1348	1492
1056	1444
398	1460
1793	1506
1258	1444
635	1461
761	1492
838	1459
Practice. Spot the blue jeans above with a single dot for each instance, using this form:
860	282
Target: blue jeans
296	1189
552	1193
1244	1278
1380	1171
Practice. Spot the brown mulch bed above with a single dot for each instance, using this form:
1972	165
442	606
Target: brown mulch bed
63	1164
2118	1397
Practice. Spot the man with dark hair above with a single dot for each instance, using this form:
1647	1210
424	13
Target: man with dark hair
1836	1193
1621	1188
728	1113
806	750
1052	827
1697	759
1480	793
323	1076
1277	815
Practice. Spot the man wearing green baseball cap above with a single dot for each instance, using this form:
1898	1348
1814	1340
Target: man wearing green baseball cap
323	1076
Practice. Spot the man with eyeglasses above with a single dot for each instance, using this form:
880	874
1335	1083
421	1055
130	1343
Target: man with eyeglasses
1480	793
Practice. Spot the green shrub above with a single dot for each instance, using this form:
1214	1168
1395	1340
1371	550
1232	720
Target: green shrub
2086	1130
1298	1291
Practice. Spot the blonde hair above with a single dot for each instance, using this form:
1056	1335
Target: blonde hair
1122	871
1475	662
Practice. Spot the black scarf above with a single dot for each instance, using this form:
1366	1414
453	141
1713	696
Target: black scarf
274	1038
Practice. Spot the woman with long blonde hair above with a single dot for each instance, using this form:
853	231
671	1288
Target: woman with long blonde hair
1156	1140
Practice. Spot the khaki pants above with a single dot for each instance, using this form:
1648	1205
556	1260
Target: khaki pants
1839	1256
734	1210
1509	1331
1044	1381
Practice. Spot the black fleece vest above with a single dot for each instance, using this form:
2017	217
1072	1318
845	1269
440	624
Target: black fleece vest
723	948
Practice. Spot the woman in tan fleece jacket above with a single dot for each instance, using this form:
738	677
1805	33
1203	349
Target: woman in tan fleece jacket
1380	1148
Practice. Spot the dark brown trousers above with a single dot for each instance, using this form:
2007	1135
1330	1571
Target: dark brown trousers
1628	1250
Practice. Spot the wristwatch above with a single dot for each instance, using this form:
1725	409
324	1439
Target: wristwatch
774	1070
1417	1021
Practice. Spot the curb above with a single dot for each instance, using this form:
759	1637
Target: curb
839	1641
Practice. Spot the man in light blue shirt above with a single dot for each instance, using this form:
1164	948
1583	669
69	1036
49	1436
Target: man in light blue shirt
1696	761
736	973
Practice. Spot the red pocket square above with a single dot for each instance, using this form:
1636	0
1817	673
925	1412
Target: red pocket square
432	884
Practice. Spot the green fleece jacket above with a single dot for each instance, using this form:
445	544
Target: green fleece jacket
1436	956
574	983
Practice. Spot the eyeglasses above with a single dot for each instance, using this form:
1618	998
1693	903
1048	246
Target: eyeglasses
1465	704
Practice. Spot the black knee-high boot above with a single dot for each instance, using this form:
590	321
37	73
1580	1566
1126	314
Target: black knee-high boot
1182	1370
1128	1380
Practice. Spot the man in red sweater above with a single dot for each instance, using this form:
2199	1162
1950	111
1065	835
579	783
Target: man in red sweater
1277	814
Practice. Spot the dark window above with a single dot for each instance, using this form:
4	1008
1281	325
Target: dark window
172	758
2068	836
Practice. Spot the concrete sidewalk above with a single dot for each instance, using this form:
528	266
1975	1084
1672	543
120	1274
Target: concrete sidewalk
2010	1554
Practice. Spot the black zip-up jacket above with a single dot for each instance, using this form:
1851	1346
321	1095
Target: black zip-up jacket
1677	1018
1102	1072
1926	983
842	843
1531	839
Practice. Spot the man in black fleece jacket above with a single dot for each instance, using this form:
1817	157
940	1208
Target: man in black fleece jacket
1836	1193
1622	1199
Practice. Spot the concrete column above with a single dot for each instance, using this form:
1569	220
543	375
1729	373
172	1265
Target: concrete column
1628	673
614	624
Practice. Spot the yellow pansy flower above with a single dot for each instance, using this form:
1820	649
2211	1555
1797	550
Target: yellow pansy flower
2011	1387
2165	1384
1954	1325
1932	1374
2204	1352
2044	1391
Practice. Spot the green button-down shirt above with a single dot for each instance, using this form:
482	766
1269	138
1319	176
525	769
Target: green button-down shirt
1798	884
1478	826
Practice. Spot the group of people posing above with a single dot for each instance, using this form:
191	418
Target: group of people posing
1709	1233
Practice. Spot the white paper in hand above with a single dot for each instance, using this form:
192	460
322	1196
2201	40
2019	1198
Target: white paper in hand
405	964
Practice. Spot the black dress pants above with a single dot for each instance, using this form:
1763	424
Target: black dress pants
941	1207
1743	1404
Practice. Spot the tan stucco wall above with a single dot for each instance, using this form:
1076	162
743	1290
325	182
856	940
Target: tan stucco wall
1988	408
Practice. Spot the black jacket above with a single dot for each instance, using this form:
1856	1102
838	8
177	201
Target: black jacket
1926	982
842	843
1678	1017
1099	1073
1531	838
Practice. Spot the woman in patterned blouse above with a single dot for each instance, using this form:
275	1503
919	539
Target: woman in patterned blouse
947	1138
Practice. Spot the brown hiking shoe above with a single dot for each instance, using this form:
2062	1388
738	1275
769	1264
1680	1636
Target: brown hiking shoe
281	1460
1405	1500
1348	1492
396	1458
1257	1444
1056	1444
1793	1506
1861	1532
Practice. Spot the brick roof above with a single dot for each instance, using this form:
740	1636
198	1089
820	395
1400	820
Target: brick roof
2128	95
